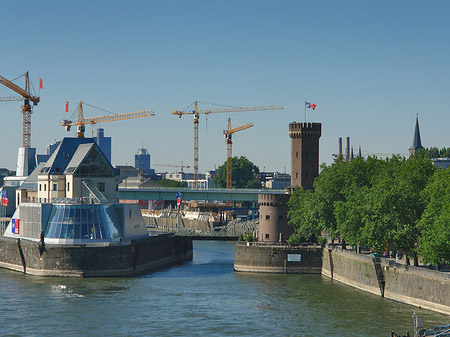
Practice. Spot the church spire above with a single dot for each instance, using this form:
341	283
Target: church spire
417	144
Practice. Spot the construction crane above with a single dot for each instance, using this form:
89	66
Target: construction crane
227	134
196	112
100	119
181	166
10	98
26	107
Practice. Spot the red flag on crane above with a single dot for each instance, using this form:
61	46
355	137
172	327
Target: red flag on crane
40	83
67	106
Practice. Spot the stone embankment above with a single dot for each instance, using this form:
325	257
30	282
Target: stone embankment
416	286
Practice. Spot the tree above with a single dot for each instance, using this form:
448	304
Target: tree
302	216
434	244
243	175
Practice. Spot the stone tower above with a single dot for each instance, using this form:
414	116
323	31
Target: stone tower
273	222
273	208
304	153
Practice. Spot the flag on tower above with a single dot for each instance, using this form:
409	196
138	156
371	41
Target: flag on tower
40	84
67	106
310	105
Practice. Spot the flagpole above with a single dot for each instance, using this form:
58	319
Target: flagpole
305	111
1	216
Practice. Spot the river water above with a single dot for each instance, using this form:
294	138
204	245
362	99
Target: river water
204	297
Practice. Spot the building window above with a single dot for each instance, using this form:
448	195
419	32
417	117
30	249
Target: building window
296	154
55	187
101	186
267	236
129	213
68	187
45	187
296	174
267	217
40	187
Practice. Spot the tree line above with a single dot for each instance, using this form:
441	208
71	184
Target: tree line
400	203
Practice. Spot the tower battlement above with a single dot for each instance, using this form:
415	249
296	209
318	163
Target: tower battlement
302	130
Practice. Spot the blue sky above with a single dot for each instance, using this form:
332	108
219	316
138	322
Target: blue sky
370	66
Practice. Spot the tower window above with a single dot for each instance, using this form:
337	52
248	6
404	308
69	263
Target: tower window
296	174
267	236
296	154
267	217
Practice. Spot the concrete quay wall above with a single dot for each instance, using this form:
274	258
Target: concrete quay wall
266	258
408	284
136	257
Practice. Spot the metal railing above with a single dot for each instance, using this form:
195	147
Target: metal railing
231	231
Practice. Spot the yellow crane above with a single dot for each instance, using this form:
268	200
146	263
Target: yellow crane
26	107
181	166
196	112
227	134
100	119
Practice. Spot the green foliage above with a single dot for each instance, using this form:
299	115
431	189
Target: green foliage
322	240
243	175
434	245
241	237
294	239
367	201
433	152
171	183
301	214
249	237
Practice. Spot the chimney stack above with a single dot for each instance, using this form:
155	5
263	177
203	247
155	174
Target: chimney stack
347	149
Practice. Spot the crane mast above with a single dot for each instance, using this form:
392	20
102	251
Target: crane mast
196	112
26	107
227	134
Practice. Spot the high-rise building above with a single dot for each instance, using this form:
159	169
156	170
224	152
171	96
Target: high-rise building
142	162
104	143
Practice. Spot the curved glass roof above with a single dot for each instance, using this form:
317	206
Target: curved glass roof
81	221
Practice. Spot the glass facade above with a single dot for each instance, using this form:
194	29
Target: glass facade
94	165
81	221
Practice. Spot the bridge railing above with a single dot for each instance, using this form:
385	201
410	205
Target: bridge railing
190	189
233	230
